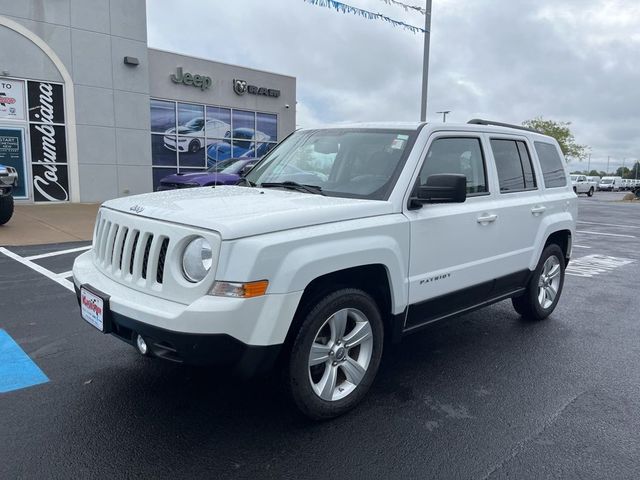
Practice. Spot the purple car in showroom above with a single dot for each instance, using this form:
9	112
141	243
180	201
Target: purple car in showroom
225	172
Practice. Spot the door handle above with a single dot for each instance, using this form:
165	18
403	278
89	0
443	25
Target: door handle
487	218
538	209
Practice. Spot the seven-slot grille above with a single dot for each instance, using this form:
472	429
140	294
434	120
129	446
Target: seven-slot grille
130	253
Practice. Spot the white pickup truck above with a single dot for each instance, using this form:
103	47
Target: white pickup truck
313	267
581	184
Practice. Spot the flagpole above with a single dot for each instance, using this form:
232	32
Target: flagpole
425	62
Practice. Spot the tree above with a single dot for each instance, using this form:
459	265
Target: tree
622	172
594	173
635	171
562	133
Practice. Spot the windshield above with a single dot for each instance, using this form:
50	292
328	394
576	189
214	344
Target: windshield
355	163
607	180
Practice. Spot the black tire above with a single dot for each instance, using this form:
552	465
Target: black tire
194	146
575	190
6	208
590	192
298	377
528	305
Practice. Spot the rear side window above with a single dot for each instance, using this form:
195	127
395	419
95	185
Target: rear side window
551	163
513	163
457	155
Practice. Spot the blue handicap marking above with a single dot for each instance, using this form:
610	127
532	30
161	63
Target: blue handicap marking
17	370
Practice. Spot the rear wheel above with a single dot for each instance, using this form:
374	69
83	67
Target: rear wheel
336	354
545	287
6	208
590	192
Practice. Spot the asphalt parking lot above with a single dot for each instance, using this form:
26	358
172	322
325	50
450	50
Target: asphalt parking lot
487	395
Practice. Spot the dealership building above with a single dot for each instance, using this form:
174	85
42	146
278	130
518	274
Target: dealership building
88	112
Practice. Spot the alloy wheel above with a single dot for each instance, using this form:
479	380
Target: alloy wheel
340	354
549	282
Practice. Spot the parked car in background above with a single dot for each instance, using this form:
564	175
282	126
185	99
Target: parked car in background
627	184
593	181
8	180
582	185
246	142
611	184
190	136
226	172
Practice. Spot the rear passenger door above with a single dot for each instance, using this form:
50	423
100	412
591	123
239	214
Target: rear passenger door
520	207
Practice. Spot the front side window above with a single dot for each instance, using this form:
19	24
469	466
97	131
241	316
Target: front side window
551	163
354	163
457	155
513	163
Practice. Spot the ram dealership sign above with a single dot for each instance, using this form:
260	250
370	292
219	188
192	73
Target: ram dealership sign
48	142
241	87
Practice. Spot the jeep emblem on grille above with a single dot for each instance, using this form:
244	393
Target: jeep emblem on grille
136	208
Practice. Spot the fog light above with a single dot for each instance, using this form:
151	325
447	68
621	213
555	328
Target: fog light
142	345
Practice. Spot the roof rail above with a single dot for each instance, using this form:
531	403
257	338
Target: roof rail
479	121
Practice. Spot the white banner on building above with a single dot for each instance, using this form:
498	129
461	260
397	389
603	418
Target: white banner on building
12	99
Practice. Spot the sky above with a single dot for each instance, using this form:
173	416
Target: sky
506	60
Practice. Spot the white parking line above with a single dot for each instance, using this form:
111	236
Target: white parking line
41	270
608	224
607	234
581	246
64	274
59	252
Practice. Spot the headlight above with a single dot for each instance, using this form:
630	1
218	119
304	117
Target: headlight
197	260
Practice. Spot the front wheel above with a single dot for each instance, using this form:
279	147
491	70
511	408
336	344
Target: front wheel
545	286
336	354
590	192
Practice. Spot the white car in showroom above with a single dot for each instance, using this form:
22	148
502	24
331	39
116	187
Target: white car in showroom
190	136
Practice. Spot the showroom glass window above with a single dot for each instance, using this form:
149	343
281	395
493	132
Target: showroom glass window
188	137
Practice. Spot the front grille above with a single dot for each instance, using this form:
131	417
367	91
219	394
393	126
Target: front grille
144	254
161	259
141	253
172	185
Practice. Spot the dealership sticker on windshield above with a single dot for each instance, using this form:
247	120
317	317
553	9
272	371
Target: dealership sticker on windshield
398	143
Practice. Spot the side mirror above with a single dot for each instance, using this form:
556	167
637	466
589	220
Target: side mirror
441	188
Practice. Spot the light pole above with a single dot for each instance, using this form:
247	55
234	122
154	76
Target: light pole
608	160
444	115
589	164
425	61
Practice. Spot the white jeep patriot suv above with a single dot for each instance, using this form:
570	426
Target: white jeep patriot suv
340	240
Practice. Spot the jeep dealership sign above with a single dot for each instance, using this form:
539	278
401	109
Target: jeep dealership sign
48	142
200	81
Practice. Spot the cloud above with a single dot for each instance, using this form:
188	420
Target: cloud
569	60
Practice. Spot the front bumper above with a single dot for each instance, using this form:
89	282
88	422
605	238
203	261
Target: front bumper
195	349
246	333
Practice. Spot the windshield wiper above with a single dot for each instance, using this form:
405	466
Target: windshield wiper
315	189
244	181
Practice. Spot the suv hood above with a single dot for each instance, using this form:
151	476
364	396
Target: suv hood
237	212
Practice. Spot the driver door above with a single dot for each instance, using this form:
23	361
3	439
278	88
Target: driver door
453	245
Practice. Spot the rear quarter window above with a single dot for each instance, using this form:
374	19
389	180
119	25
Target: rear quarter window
552	168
